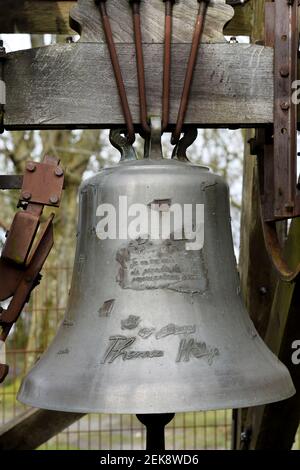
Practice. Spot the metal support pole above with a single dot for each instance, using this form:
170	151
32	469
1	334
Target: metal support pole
155	425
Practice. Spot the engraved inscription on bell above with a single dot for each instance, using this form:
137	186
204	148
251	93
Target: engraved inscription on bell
145	264
106	309
118	347
186	346
146	332
172	329
189	348
130	323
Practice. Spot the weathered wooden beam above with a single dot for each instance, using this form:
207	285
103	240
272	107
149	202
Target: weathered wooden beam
86	20
73	86
33	428
258	279
274	426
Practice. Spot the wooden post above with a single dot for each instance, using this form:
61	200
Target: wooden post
33	428
257	276
274	426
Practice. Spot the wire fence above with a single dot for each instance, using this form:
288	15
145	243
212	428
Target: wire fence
193	431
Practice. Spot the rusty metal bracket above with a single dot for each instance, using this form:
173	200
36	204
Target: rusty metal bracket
276	147
22	260
286	42
42	183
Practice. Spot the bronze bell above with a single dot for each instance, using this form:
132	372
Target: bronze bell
154	325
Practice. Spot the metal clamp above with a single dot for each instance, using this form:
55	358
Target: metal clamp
121	143
179	151
20	262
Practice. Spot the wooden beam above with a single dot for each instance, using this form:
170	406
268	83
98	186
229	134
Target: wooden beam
73	86
274	426
86	20
33	428
258	279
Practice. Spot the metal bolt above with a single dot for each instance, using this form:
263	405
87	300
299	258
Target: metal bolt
30	167
263	290
289	206
284	105
284	71
58	171
2	48
54	199
26	195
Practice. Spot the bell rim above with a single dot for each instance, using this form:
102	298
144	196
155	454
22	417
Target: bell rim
232	403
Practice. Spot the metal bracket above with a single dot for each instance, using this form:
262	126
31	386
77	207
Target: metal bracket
42	183
21	261
286	41
276	147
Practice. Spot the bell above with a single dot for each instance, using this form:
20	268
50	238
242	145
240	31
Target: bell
155	323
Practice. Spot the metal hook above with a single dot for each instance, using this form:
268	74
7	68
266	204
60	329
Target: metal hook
152	146
155	147
179	152
121	143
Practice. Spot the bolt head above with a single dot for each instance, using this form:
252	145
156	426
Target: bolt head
54	199
263	290
289	207
30	166
59	171
26	195
284	105
284	71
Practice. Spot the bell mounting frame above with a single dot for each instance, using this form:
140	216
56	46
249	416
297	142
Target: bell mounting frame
276	146
22	256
